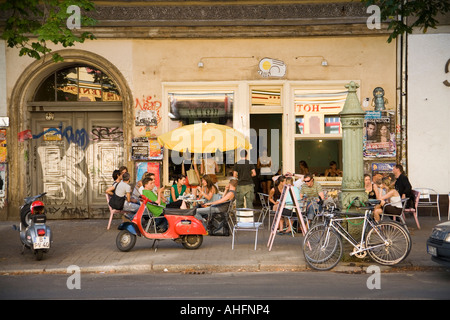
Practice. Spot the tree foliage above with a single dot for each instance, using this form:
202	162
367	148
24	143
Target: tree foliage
419	13
31	24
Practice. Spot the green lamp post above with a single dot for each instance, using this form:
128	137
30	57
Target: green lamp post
352	120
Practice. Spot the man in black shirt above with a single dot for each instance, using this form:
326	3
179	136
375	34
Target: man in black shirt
403	186
243	170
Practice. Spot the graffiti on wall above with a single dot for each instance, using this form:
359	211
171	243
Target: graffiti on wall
147	113
107	134
74	167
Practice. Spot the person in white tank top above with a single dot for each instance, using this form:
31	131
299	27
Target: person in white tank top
392	197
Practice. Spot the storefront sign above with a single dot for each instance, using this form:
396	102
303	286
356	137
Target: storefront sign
200	105
271	68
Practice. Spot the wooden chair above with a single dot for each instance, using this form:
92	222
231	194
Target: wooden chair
112	211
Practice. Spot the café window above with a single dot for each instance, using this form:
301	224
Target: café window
317	111
299	125
332	124
201	106
78	83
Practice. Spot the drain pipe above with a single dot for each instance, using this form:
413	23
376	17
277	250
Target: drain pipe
401	114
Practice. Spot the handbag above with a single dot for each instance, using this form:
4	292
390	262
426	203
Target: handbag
192	177
116	202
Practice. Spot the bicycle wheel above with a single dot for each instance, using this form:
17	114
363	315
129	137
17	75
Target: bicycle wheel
322	248
391	243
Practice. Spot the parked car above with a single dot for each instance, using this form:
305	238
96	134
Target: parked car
438	244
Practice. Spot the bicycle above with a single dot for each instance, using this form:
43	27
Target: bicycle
387	242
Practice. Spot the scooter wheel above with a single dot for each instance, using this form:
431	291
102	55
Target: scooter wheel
39	254
192	242
125	240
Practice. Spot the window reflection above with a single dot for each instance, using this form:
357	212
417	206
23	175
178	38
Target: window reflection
66	85
46	91
83	83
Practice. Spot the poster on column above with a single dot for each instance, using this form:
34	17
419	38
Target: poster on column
379	135
153	167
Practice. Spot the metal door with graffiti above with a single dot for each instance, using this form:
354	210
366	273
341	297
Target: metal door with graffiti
72	157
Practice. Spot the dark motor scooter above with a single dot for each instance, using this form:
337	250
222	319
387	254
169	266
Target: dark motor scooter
35	234
182	227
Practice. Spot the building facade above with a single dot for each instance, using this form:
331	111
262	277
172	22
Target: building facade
276	72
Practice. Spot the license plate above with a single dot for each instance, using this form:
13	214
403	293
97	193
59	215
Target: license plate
432	250
42	243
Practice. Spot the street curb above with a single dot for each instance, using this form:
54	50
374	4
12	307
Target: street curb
212	268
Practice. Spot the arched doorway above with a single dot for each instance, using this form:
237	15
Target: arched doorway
74	119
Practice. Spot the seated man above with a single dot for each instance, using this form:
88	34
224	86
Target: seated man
311	190
209	208
123	189
148	191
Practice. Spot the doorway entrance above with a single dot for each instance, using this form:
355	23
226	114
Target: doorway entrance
72	157
268	130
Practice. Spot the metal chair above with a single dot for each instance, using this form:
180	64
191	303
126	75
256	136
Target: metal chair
112	211
401	216
425	200
414	210
264	198
245	221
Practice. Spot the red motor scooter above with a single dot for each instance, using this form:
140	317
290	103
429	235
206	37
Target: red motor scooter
182	227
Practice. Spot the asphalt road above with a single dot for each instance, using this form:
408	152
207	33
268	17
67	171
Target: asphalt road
237	286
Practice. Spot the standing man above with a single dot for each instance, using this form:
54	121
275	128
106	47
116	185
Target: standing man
243	170
403	186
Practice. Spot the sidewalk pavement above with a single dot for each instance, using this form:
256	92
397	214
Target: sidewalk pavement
88	245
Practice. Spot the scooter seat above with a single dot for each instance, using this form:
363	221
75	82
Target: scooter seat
180	212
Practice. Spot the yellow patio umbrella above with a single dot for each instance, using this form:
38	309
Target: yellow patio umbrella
204	138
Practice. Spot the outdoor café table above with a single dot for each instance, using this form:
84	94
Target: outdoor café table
190	201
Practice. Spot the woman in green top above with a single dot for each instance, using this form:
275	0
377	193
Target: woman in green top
178	189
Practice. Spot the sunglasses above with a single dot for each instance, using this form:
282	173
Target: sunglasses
307	180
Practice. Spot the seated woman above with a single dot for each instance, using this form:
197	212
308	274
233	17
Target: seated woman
333	171
289	202
275	192
176	191
149	185
370	187
392	196
209	208
207	191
